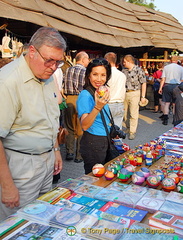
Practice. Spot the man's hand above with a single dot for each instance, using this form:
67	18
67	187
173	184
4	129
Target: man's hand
58	163
10	196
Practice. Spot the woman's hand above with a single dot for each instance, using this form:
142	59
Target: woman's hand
100	102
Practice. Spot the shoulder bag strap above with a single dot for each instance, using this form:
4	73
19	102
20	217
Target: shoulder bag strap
105	125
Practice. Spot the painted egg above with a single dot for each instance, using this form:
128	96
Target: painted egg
123	174
168	184
145	171
109	175
98	170
153	181
180	187
138	178
101	90
174	176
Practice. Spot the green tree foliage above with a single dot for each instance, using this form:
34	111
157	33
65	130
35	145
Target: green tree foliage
143	3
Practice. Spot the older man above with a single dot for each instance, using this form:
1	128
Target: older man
135	91
29	152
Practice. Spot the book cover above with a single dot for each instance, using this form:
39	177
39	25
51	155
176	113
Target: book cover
38	211
55	194
9	223
105	230
172	207
32	231
126	222
128	199
124	211
107	194
175	197
86	201
66	217
70	183
149	204
88	190
167	221
87	179
156	194
118	186
136	189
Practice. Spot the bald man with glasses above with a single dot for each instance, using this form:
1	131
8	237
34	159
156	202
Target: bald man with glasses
29	151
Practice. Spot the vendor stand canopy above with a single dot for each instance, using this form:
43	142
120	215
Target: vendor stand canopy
114	23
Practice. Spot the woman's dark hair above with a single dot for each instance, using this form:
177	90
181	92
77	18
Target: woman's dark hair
95	63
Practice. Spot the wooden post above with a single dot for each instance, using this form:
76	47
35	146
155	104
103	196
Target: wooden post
165	54
145	56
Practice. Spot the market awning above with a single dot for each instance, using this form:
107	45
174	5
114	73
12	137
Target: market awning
113	23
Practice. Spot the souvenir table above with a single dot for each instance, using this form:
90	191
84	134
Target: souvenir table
156	165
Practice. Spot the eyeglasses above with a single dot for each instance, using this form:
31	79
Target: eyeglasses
51	62
100	61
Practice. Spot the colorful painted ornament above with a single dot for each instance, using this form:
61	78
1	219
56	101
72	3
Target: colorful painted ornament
138	178
98	170
130	168
145	171
101	90
153	181
168	184
109	175
123	174
174	176
180	187
159	173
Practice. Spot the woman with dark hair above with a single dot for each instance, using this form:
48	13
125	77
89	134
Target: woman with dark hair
94	142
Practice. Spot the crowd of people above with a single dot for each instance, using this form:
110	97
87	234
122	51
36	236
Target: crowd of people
31	89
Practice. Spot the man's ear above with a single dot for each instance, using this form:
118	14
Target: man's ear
32	51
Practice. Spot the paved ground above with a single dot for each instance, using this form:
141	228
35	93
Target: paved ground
149	127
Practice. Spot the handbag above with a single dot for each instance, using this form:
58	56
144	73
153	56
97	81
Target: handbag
112	152
61	137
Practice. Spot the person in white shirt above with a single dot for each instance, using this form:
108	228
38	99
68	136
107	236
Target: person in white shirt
117	89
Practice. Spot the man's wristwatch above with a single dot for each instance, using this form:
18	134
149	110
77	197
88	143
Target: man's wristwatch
142	96
57	149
